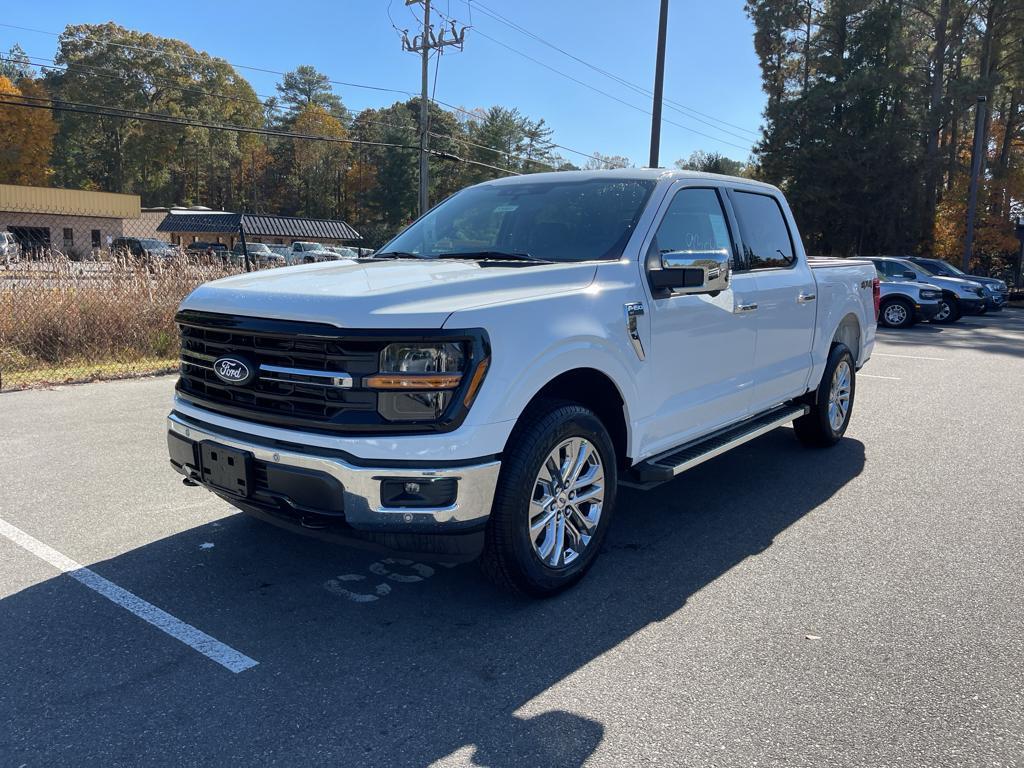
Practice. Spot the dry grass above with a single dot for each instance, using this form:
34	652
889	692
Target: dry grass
66	321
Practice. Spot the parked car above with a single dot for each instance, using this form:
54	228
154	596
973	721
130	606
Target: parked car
480	385
303	252
144	248
344	252
996	291
202	248
259	254
9	248
903	303
281	250
958	296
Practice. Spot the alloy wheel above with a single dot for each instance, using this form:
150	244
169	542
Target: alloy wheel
944	311
895	314
565	508
839	396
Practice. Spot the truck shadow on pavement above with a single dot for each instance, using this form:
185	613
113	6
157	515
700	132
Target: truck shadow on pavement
436	666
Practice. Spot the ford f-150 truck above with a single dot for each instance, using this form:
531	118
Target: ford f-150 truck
483	383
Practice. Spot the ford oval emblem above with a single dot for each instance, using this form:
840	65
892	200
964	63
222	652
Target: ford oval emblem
233	370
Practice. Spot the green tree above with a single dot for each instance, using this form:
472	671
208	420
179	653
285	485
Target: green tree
111	66
712	162
305	87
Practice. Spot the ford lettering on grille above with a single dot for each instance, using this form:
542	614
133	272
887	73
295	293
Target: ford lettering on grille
232	370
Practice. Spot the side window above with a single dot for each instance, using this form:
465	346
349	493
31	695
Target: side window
766	239
694	221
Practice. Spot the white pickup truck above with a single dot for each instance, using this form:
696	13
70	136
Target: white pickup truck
483	383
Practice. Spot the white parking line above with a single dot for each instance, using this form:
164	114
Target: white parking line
194	638
872	376
910	357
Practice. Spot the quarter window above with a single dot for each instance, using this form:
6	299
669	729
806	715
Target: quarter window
766	240
694	221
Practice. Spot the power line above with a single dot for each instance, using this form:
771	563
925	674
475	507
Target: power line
128	114
605	93
622	81
274	72
118	75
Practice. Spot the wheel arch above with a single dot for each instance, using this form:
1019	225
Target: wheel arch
595	390
848	332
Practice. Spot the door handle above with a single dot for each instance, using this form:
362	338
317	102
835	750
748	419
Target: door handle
805	298
745	308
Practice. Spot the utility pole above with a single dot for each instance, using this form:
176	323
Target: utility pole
423	44
659	84
977	156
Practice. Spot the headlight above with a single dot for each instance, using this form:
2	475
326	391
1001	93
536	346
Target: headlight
979	291
418	380
932	295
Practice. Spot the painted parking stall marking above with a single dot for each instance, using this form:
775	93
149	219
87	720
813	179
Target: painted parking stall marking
196	639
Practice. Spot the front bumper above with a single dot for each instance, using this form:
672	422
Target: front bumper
972	304
926	310
320	493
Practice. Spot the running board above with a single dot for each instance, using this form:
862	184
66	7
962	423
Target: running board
674	462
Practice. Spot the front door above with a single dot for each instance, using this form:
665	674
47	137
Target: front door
702	352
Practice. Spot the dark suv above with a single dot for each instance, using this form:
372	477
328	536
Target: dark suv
143	248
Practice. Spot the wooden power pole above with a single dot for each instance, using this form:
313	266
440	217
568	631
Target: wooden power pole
423	44
659	85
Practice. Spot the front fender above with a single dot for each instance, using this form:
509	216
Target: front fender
534	341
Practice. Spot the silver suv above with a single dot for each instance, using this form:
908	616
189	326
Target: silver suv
958	296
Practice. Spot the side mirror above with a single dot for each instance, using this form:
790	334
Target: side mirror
689	272
910	275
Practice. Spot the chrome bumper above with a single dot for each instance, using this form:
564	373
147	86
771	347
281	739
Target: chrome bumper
363	509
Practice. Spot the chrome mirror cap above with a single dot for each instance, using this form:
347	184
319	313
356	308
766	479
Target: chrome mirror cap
707	271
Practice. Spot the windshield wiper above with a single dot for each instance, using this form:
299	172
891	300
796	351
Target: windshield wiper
493	255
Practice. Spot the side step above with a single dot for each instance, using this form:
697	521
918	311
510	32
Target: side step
667	465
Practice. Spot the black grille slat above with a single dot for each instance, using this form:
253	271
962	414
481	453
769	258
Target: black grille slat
270	397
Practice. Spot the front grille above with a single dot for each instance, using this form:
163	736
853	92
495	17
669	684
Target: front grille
275	396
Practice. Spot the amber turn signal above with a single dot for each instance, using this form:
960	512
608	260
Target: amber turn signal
420	381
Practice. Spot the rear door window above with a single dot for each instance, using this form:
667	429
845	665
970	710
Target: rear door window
767	243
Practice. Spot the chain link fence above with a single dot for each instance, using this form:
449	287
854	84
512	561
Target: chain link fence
73	311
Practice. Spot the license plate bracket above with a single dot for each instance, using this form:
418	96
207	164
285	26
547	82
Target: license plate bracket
226	469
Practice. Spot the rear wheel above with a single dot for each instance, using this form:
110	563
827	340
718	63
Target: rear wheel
553	502
825	424
896	314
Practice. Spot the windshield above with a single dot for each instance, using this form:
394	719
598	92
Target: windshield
942	268
549	220
147	243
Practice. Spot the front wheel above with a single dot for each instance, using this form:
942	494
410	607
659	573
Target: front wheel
949	311
553	502
825	424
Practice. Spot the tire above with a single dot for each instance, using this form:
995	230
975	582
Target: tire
512	558
817	429
949	311
896	313
308	260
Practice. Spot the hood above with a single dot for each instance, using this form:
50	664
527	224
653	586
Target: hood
407	293
990	282
952	283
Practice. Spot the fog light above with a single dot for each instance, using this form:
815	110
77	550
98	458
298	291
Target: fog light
419	493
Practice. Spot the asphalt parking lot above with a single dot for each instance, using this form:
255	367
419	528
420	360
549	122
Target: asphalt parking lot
775	606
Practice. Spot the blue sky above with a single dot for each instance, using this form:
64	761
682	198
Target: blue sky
710	62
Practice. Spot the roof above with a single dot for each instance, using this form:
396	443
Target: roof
68	202
623	174
257	224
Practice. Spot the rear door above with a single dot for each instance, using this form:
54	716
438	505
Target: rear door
785	295
702	345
